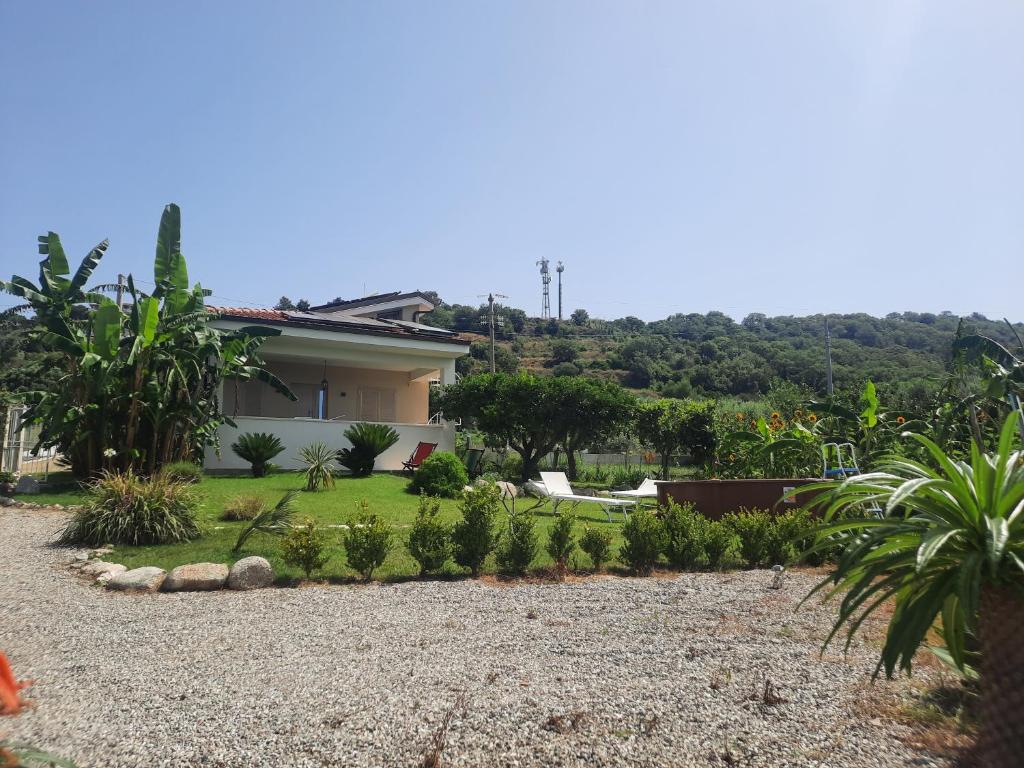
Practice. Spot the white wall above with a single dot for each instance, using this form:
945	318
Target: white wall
298	433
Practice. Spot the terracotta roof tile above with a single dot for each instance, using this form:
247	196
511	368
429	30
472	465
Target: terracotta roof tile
255	314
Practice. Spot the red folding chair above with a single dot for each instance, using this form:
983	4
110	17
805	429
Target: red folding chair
422	451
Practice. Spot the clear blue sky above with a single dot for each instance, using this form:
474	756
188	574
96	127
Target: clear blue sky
782	157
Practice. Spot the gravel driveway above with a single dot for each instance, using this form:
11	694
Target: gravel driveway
610	671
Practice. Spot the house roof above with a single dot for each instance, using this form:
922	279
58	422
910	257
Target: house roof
341	324
367	301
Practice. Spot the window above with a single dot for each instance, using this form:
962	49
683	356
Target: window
376	404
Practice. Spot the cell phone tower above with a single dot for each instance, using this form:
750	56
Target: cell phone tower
545	278
560	269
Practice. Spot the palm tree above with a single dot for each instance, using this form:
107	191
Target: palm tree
950	548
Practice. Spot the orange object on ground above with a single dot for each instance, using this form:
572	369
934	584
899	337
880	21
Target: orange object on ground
10	702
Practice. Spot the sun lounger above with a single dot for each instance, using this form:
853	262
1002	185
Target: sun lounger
648	489
555	485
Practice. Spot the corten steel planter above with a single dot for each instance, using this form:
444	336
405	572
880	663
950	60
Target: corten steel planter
714	498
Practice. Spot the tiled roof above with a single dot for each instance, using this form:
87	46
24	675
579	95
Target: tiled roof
340	323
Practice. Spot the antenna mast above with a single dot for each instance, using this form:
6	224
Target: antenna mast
545	279
560	269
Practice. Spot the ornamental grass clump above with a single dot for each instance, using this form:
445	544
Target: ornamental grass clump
474	536
183	472
430	540
518	545
303	547
597	543
645	538
124	508
242	507
949	549
367	542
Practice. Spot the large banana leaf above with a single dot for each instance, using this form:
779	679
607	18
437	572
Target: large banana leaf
106	330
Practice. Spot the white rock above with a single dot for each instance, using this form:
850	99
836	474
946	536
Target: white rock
96	567
250	573
146	579
116	569
196	577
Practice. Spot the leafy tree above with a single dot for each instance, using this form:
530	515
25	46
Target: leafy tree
564	351
141	382
579	317
672	426
284	303
592	412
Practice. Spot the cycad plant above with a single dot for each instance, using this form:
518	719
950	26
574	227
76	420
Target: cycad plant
276	521
949	549
258	448
368	442
320	466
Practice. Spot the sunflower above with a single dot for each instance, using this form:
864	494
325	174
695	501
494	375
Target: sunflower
740	417
900	420
798	413
776	416
732	457
812	418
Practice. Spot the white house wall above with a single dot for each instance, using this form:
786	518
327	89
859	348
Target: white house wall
298	433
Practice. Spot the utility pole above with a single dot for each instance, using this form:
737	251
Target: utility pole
490	320
560	269
828	355
120	289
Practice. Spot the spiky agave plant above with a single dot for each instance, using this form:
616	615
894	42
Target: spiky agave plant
320	466
368	442
258	448
950	549
275	521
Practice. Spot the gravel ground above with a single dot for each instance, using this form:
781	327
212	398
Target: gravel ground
609	671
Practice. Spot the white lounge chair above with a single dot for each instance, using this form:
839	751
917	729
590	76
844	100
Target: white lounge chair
555	485
648	489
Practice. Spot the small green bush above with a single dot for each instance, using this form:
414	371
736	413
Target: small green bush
430	540
686	533
597	543
183	472
242	507
474	537
443	474
303	547
790	535
367	542
258	448
719	544
512	468
124	508
368	442
754	528
566	369
518	545
319	471
7	477
644	537
561	542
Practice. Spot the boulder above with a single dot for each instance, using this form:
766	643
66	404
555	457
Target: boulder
145	579
96	567
250	573
196	577
508	490
27	484
6	501
116	570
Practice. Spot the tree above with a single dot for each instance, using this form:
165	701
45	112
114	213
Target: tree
564	351
671	426
949	548
523	411
284	304
141	381
579	317
592	412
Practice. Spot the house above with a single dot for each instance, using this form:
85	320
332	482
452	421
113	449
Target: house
367	359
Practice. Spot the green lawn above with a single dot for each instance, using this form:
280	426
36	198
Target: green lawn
386	495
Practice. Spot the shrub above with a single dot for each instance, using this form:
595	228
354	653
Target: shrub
430	540
561	542
597	543
442	473
275	521
686	534
512	468
243	507
258	448
368	442
518	546
8	477
474	536
644	540
124	508
367	542
183	472
319	471
753	527
790	534
303	547
566	369
627	477
718	544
